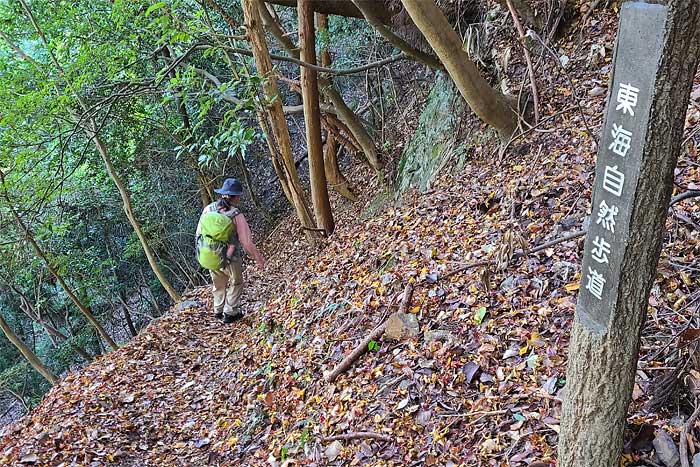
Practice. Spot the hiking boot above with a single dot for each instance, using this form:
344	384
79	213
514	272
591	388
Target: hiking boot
219	315
231	318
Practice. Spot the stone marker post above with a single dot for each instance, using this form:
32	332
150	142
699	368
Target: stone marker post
655	59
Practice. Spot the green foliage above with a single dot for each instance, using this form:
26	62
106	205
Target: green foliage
56	180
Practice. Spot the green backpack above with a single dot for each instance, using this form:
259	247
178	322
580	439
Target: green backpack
215	232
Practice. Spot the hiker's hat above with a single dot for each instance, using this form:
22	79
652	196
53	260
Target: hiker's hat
230	187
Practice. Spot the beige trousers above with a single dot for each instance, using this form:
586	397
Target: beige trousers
228	288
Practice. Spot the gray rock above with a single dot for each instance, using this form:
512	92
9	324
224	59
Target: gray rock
666	449
508	283
333	451
569	222
187	304
423	417
597	91
564	269
402	326
437	335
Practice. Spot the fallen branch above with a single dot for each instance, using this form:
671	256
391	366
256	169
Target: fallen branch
357	435
685	195
683	445
362	347
686	219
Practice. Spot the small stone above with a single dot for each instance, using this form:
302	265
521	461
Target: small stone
508	283
597	91
423	417
187	304
569	222
437	335
402	326
333	450
666	449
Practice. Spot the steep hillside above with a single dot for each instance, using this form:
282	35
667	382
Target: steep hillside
479	383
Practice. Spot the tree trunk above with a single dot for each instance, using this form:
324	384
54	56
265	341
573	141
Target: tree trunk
205	190
489	105
346	115
27	353
335	177
251	189
128	210
604	347
274	107
312	119
127	314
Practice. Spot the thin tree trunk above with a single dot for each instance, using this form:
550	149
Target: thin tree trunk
335	177
127	314
206	192
150	298
251	189
274	107
27	353
346	115
312	119
128	210
488	104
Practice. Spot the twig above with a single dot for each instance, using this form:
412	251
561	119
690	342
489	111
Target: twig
685	195
530	68
357	435
593	6
362	347
683	445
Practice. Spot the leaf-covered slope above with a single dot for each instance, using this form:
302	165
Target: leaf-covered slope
479	385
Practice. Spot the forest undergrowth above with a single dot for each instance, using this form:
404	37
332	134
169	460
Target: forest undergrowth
479	379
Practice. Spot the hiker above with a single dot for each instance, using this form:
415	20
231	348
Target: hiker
222	235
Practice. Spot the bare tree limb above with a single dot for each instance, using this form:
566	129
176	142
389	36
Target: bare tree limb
685	195
362	347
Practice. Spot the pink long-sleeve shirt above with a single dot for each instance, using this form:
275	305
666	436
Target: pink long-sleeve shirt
246	237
